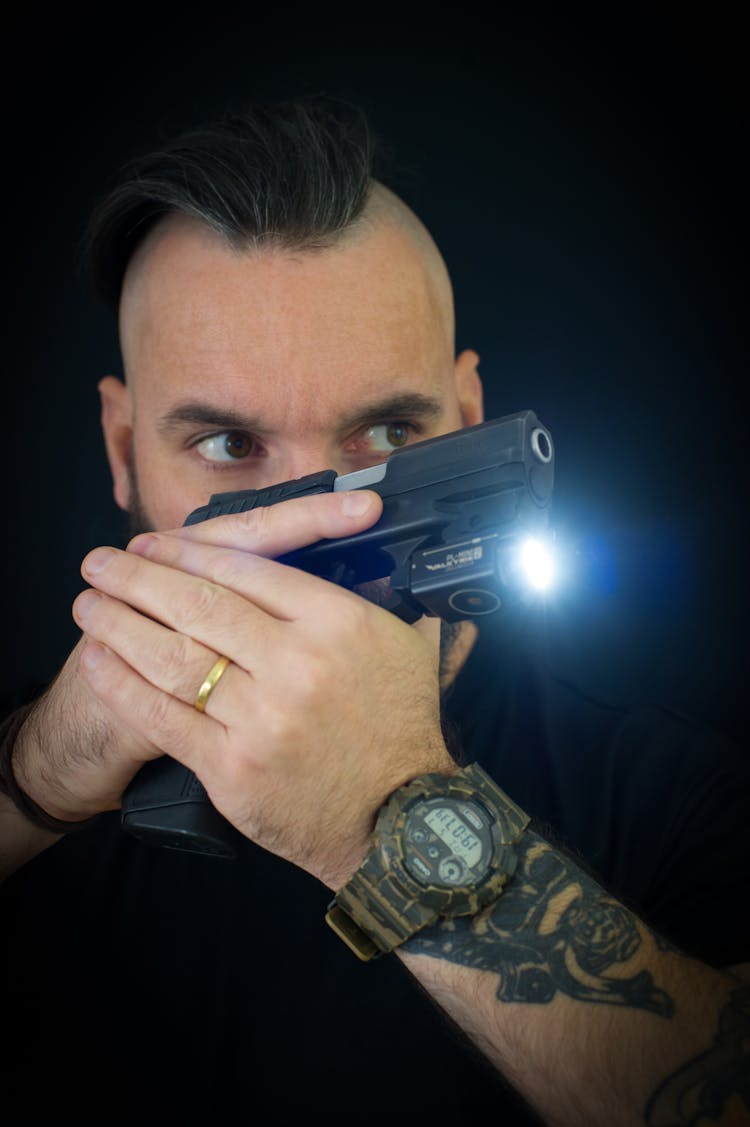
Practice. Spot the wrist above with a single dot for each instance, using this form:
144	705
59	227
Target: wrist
18	742
435	760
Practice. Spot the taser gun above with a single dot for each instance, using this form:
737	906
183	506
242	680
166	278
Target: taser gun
456	511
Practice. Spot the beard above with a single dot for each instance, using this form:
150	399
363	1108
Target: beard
375	591
138	519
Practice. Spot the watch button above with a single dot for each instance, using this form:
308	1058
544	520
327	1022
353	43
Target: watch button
451	870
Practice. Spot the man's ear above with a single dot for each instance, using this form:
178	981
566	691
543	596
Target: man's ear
117	424
469	388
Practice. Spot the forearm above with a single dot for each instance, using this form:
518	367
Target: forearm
587	1012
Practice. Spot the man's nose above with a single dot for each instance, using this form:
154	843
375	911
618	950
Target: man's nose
300	462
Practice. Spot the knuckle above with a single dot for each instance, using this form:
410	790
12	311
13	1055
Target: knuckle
281	734
172	659
162	724
155	712
305	519
353	615
257	525
312	675
198	604
231	569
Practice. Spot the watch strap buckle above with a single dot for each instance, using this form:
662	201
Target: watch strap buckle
356	940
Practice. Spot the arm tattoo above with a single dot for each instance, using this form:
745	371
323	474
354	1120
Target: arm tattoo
553	930
702	1089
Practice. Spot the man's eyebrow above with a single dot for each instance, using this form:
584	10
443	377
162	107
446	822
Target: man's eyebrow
408	405
206	414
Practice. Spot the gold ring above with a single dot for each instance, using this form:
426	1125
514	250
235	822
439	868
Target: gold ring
208	686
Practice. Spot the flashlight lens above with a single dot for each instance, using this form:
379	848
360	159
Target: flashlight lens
537	564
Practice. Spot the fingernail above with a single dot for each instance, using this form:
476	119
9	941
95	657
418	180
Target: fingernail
85	603
97	560
355	503
92	655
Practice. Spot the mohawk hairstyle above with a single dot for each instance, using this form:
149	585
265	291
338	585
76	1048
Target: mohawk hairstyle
295	174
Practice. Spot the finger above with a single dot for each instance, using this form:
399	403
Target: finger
169	661
279	590
218	618
161	720
272	530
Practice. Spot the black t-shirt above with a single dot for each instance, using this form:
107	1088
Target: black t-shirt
147	985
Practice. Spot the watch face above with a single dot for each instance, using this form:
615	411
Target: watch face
447	842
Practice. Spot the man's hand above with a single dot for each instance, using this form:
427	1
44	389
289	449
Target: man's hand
74	756
329	702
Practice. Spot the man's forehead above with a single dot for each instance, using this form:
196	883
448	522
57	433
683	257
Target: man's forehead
362	312
181	250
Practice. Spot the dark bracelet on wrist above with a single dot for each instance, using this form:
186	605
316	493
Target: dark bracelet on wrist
8	785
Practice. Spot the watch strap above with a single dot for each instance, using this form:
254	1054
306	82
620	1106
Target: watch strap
383	913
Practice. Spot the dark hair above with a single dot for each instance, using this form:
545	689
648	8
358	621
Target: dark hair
296	174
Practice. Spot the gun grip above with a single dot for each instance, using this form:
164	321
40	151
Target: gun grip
166	805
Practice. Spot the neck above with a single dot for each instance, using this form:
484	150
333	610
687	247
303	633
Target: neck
456	642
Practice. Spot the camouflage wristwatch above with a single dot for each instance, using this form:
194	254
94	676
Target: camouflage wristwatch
444	846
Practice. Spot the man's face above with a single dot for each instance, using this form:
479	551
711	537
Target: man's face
245	369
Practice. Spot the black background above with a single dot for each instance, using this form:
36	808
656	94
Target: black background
586	183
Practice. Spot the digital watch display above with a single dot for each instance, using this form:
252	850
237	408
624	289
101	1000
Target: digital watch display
447	842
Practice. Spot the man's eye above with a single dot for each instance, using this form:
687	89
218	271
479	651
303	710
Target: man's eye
228	446
386	437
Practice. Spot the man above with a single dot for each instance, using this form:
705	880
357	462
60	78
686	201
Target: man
280	313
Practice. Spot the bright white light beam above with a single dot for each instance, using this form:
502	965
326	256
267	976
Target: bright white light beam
537	564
